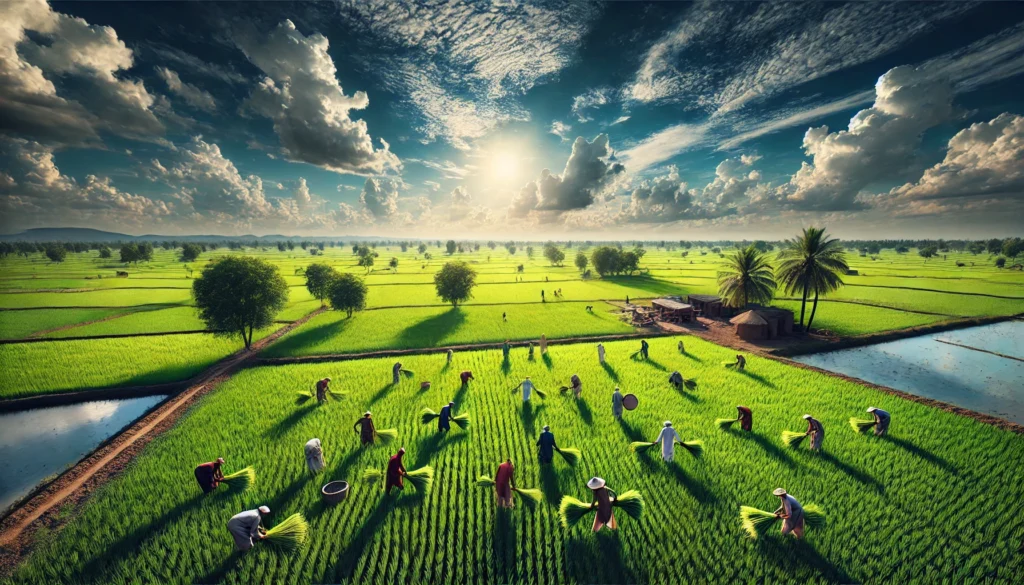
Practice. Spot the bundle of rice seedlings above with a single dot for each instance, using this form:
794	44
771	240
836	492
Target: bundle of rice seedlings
730	364
371	475
302	398
571	511
543	395
563	389
289	535
531	496
385	436
421	479
690	384
860	425
814	516
570	454
427	415
793	440
631	502
241	479
756	522
640	446
725	423
305	396
408	373
462	420
485	481
696	448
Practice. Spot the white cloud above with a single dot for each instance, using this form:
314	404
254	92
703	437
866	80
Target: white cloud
619	120
211	184
561	130
447	168
591	99
460	196
380	197
663	145
302	96
193	95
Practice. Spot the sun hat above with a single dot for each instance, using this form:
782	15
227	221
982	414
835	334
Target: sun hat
401	450
872	409
367	413
779	491
264	510
807	416
595	483
668	423
547	428
220	460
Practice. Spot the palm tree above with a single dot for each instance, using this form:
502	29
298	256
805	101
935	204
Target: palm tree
747	278
810	263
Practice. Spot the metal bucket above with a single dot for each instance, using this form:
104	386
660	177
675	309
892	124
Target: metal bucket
334	492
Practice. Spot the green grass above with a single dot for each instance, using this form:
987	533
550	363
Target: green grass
935	502
158	321
849	319
22	324
102	298
333	332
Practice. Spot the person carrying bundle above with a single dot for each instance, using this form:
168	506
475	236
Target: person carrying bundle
746	418
617	404
577	386
816	432
676	379
466	376
396	372
245	527
314	456
547	445
322	386
881	420
603	495
668	439
600	353
792	514
644	349
444	418
527	387
504	483
394	477
364	426
741	363
209	475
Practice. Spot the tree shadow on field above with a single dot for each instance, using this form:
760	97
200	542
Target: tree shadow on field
600	560
546	358
792	555
920	452
853	472
288	423
757	378
608	369
304	338
585	412
504	546
216	575
130	543
431	445
430	331
382	392
765	443
549	484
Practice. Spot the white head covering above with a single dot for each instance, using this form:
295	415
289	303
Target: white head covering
807	416
367	413
668	423
263	510
779	492
595	483
872	409
547	428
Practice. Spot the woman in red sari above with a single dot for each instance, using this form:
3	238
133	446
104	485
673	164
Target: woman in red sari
395	476
504	481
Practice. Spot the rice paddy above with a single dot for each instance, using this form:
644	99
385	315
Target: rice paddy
911	488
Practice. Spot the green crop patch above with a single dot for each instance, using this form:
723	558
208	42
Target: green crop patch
939	496
22	324
850	319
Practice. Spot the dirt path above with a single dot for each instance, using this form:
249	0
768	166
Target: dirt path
80	481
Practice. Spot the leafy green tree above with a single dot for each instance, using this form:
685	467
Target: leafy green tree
1012	247
393	264
928	252
747	278
902	249
976	248
189	252
145	250
56	252
812	262
455	282
422	248
511	249
554	255
366	262
239	295
994	246
105	252
1000	262
629	262
529	252
129	253
319	279
450	247
347	293
581	261
606	260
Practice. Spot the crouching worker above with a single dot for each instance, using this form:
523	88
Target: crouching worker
245	527
746	418
394	477
881	420
792	514
209	475
314	456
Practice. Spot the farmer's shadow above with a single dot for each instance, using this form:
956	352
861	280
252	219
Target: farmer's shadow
432	445
216	575
382	392
655	364
691	356
856	474
504	544
765	443
692	397
506	366
632	433
920	452
529	415
697	489
602	562
757	378
549	484
287	423
585	412
546	358
790	555
610	370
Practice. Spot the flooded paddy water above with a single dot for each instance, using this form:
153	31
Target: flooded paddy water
959	367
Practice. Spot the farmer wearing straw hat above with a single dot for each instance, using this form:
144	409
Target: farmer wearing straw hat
504	482
444	418
816	431
668	439
396	371
577	386
209	475
881	420
792	514
321	389
605	517
547	445
314	456
746	418
527	387
395	475
600	352
367	432
245	527
617	403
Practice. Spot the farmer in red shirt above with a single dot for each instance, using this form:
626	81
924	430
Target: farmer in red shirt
395	476
746	418
504	481
321	389
209	475
466	377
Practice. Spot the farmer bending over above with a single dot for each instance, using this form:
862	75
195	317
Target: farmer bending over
547	445
504	481
245	527
445	417
746	418
394	477
321	389
209	475
881	420
816	431
396	371
466	376
792	514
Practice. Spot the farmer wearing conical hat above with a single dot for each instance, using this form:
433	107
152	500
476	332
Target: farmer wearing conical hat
617	403
676	379
816	431
209	475
245	527
504	481
314	456
668	439
547	445
605	517
791	512
527	387
881	420
394	477
321	389
445	417
746	418
600	352
364	426
396	371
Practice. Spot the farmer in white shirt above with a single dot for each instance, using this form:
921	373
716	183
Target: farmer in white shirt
668	439
314	456
527	387
245	527
792	514
600	352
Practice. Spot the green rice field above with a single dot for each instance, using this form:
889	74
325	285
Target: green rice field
929	501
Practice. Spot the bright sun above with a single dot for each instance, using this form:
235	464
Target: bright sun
504	165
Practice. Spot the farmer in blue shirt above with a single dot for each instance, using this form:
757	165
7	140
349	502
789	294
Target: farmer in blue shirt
547	445
444	420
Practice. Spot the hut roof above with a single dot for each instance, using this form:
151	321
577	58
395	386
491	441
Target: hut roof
671	304
705	298
748	318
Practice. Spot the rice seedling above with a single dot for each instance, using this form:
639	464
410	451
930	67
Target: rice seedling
757	522
572	510
427	415
631	502
571	455
530	496
640	446
385	436
695	448
289	535
862	425
793	440
725	423
240	480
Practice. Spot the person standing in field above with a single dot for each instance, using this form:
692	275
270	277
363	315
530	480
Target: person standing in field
617	404
364	426
394	477
527	387
450	355
668	439
444	418
644	349
881	420
542	299
543	344
504	317
530	356
547	445
314	456
600	352
816	432
466	376
741	363
504	481
792	514
396	372
321	389
682	348
603	497
245	527
209	475
676	379
746	418
577	386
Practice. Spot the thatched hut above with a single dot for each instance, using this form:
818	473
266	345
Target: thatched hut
750	326
710	306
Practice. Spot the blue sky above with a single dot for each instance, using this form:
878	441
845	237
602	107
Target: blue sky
508	119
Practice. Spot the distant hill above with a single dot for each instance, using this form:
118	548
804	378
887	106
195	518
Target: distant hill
91	235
